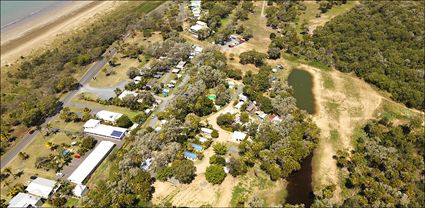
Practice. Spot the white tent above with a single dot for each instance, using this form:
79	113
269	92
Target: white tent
41	187
91	162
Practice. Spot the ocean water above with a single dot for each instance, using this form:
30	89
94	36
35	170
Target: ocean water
15	11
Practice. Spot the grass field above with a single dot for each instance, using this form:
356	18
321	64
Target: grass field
36	149
120	73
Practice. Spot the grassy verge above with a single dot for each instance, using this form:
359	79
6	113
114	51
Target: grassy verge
328	82
302	60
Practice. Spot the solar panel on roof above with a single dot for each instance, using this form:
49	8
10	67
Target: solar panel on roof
116	134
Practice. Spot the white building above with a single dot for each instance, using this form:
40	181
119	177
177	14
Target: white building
108	116
127	92
91	162
94	127
79	190
239	105
238	136
175	71
242	97
206	130
41	187
181	64
231	84
197	27
261	114
137	79
25	200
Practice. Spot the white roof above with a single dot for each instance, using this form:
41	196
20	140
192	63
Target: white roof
181	64
41	187
79	190
24	200
201	23
175	70
206	130
261	114
90	163
196	28
239	105
108	115
238	135
137	78
198	49
203	139
105	130
243	97
126	92
91	123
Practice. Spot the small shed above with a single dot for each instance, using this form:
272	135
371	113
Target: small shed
79	190
206	130
190	155
196	147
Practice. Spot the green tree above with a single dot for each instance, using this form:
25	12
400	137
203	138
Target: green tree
215	174
124	122
220	148
217	160
164	173
183	170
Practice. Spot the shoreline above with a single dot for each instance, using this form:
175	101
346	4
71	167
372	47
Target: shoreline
22	39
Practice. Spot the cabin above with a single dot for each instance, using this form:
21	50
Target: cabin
242	97
206	131
261	114
197	147
137	79
180	65
239	105
190	155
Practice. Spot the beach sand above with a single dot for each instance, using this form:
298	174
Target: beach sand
32	35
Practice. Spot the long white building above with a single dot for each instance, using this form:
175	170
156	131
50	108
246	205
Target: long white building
91	162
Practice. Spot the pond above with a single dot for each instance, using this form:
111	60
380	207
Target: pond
302	83
299	185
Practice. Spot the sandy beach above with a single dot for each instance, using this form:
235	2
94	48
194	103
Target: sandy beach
33	34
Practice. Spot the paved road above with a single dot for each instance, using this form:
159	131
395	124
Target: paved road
27	139
105	92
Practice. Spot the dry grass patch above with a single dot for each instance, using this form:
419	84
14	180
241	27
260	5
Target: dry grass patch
36	149
119	73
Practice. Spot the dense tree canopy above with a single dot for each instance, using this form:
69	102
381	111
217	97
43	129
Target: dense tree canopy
383	44
385	168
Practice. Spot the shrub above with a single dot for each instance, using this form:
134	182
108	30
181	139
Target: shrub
215	174
220	148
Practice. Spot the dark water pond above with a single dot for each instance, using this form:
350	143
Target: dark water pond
299	185
302	83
